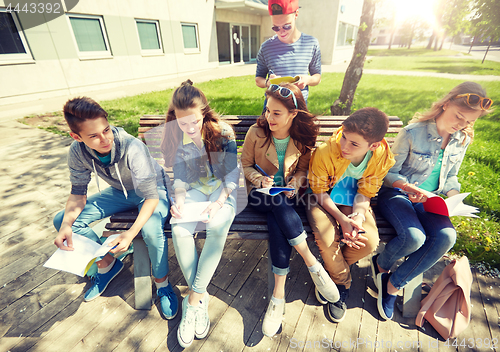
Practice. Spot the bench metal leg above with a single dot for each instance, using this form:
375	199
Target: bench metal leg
412	294
142	275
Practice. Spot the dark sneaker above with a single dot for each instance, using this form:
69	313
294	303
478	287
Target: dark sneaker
101	281
338	310
375	271
168	301
385	301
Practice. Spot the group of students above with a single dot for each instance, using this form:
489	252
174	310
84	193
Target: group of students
278	150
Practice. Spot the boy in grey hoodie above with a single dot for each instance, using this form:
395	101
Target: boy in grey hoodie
137	182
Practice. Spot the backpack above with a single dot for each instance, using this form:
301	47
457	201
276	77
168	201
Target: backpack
447	307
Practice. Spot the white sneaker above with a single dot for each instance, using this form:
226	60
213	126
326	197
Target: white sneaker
202	323
185	332
273	318
325	285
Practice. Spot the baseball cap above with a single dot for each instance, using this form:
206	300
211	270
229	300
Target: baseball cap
282	7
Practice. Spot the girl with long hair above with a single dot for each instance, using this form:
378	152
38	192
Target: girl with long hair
201	149
276	151
428	153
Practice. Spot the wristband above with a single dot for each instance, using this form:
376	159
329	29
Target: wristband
219	202
350	216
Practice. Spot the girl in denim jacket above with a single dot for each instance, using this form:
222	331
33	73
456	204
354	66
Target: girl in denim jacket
280	145
428	153
202	151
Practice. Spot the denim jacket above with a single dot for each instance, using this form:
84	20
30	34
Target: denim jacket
416	150
190	162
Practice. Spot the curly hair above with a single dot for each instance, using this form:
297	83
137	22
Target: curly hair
187	97
437	108
305	127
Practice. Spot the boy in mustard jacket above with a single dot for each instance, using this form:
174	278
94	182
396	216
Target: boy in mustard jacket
344	174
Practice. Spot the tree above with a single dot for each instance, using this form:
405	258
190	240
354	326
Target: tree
342	106
487	21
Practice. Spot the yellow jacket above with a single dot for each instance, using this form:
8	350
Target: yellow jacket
254	152
327	165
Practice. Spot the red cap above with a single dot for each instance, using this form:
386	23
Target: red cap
282	7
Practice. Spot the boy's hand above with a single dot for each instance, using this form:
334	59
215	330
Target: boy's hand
122	242
65	234
302	82
267	182
352	231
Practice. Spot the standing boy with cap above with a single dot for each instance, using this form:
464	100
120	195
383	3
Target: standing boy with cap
289	52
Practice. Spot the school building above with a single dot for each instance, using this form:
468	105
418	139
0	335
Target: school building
87	45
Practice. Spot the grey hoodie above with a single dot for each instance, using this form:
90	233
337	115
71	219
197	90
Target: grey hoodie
131	168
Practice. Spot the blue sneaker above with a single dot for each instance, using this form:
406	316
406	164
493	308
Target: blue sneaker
101	281
320	297
168	301
385	301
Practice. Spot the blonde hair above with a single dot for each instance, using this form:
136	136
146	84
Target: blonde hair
437	108
187	97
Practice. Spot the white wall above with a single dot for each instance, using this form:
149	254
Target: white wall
57	69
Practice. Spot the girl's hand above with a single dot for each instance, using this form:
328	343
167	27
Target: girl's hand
212	209
267	182
292	193
352	231
415	194
176	210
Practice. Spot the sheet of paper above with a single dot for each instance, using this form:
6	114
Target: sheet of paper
272	191
192	213
76	261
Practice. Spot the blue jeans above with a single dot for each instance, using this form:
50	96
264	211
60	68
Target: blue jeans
284	226
198	271
111	201
421	236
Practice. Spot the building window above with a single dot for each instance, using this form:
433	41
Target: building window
346	34
13	45
190	37
149	36
90	36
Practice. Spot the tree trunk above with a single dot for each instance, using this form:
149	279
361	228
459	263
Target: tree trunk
391	38
442	42
342	106
436	40
411	35
431	39
486	53
471	44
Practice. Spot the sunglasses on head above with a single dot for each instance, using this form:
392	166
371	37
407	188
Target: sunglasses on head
475	99
286	27
284	92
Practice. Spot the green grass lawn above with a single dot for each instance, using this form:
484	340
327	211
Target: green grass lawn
401	96
457	65
414	51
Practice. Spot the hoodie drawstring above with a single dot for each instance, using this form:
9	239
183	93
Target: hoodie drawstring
96	177
120	178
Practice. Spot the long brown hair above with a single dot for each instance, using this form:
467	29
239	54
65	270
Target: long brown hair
437	108
188	97
305	127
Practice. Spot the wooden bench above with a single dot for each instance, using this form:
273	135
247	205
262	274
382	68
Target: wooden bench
248	224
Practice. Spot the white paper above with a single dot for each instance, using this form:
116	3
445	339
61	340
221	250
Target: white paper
76	261
192	213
